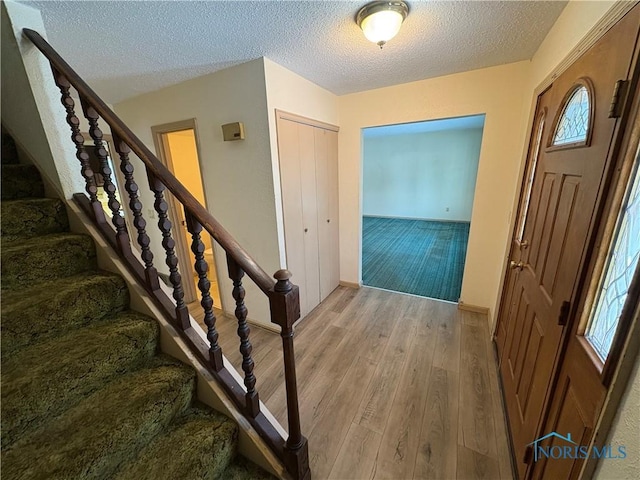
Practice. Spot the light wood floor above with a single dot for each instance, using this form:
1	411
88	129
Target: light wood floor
391	386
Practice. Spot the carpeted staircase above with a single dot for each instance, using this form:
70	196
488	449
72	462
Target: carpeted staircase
85	392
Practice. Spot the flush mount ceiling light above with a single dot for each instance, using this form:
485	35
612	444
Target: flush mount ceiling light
381	21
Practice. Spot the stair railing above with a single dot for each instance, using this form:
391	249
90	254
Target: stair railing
282	294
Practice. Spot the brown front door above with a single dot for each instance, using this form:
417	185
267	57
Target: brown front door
549	245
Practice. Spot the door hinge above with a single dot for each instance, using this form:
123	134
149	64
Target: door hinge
564	313
619	96
528	453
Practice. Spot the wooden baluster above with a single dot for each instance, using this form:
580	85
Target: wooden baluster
252	400
135	204
77	138
169	244
122	236
284	300
201	267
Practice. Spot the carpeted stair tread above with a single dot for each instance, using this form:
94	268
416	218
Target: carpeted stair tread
26	218
54	307
44	258
21	181
198	446
40	382
243	469
84	394
98	436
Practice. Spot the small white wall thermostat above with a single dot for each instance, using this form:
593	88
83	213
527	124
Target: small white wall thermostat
233	131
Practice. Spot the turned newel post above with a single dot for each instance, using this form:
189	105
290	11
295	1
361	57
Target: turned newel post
284	300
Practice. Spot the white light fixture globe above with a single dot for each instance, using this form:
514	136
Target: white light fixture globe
381	21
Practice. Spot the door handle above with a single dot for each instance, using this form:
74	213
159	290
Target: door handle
524	244
513	265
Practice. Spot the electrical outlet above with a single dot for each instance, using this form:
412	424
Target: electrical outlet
151	213
446	209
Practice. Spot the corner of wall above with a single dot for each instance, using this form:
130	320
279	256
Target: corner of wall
288	91
31	108
236	176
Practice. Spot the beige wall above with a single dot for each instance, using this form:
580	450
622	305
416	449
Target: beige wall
237	176
507	95
186	168
625	430
572	25
184	159
497	92
292	93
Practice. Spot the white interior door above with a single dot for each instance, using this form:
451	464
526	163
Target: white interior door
306	135
289	154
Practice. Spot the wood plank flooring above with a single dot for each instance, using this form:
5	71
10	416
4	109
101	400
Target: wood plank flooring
391	386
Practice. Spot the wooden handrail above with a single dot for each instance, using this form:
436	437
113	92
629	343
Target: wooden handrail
162	173
284	300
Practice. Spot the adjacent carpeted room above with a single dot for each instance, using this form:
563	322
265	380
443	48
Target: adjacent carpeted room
414	256
418	189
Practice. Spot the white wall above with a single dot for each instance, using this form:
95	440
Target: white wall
497	92
292	93
427	175
237	176
31	108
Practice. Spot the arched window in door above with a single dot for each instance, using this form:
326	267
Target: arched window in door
573	125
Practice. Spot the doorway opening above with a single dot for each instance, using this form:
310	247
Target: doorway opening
418	188
177	146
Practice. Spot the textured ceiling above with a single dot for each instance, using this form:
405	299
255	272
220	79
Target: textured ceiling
126	48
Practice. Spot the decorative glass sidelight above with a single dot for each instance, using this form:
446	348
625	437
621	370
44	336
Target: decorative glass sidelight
573	124
619	268
531	174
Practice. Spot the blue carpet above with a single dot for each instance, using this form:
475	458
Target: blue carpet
414	256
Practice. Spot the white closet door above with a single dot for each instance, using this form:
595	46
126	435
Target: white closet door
308	153
327	210
332	252
289	154
309	214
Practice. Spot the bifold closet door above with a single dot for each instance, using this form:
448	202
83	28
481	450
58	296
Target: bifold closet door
326	151
289	152
307	157
309	179
296	150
